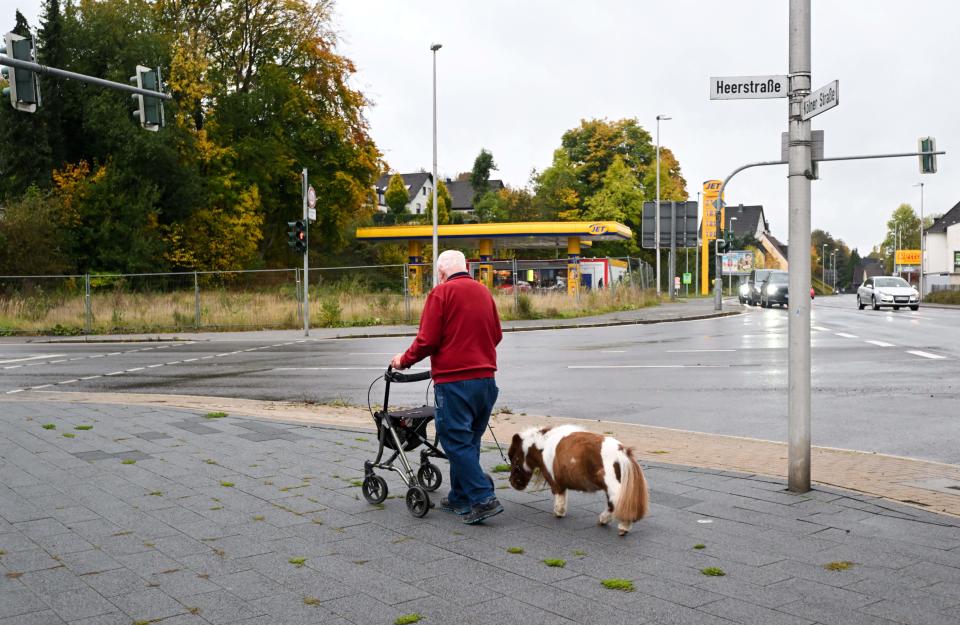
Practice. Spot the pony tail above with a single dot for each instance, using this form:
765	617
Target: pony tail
633	498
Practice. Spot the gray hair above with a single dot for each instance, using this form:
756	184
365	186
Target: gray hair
450	262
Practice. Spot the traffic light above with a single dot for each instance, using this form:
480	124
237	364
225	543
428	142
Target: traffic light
297	236
149	110
928	162
721	246
24	89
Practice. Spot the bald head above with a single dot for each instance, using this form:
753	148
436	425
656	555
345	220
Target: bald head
449	263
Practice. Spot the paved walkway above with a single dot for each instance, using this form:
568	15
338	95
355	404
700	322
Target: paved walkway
158	514
681	310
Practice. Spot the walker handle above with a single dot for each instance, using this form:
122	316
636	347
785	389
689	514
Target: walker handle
393	375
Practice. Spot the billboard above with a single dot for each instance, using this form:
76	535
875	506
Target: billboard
686	224
737	263
711	191
908	257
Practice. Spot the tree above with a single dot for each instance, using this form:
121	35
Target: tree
556	188
488	208
672	184
480	175
594	144
905	221
517	204
444	202
619	199
396	195
32	241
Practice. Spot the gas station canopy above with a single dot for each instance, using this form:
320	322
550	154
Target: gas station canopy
514	235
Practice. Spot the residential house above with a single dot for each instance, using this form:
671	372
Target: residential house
942	263
866	268
419	188
461	193
743	220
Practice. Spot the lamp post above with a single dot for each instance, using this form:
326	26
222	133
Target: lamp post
436	276
834	254
656	230
730	279
920	184
823	264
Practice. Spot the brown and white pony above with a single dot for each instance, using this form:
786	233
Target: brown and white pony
570	458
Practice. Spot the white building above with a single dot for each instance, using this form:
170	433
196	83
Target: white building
942	262
419	188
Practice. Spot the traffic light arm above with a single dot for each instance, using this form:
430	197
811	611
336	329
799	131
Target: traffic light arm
9	61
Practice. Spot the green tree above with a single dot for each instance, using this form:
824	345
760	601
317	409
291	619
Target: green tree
480	175
518	204
396	195
488	208
672	184
619	199
32	241
905	221
444	202
593	145
556	188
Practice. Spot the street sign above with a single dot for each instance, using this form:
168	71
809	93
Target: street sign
823	99
311	198
312	214
686	226
907	257
748	87
688	278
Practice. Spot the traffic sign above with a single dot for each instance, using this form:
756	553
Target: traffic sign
312	214
311	198
823	99
687	278
748	87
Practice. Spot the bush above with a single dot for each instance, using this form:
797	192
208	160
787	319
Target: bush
525	307
330	311
943	297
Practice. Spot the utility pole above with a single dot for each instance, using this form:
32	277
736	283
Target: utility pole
656	229
436	275
798	176
306	255
922	246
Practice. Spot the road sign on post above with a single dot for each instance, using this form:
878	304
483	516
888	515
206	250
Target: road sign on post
748	87
823	99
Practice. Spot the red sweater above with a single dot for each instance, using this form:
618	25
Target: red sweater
459	330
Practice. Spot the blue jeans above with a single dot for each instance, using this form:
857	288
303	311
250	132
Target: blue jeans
462	414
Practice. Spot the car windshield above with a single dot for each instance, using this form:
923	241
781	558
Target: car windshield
891	282
778	278
762	275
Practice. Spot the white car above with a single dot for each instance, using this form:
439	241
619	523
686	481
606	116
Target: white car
887	291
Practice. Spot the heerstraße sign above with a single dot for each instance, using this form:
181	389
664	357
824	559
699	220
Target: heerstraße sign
748	87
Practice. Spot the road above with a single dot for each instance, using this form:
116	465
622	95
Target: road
882	381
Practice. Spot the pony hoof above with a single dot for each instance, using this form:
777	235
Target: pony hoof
622	533
559	515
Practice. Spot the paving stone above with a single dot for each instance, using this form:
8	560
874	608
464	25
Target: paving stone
148	604
78	603
19	601
42	617
220	607
749	614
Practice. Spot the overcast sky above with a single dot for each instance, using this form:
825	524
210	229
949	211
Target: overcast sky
514	75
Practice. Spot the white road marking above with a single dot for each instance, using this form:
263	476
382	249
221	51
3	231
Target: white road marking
135	369
41	386
114	353
697	351
190	359
223	354
820	328
54	362
3	362
69	381
647	366
917	352
13	367
881	344
159	364
91	377
609	351
846	335
371	353
17	390
115	373
207	357
175	362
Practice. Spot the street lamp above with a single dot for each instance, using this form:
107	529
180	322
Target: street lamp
436	275
656	229
730	279
834	254
922	246
823	264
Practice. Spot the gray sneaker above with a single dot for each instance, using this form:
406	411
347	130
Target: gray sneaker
458	509
483	511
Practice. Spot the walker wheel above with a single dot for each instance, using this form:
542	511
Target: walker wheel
374	489
429	477
418	501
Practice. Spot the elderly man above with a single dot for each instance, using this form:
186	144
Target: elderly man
460	330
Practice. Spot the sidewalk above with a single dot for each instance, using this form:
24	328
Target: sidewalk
681	310
158	514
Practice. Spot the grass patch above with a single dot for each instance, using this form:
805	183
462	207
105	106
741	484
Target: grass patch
227	484
356	483
215	415
69	435
501	468
713	571
579	553
193	610
14	575
156	493
128	461
943	297
625	585
311	601
49	426
659	451
216	508
210	461
258	517
407	619
555	562
297	561
83	428
840	565
362	439
699	546
515	550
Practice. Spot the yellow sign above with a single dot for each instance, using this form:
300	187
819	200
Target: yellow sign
711	221
908	257
597	228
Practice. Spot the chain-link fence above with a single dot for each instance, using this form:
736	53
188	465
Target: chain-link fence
337	296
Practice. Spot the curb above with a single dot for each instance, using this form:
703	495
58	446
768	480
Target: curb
406	333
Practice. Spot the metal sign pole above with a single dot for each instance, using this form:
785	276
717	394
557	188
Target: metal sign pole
800	168
306	256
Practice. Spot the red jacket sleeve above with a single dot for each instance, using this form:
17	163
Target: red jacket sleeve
430	333
498	335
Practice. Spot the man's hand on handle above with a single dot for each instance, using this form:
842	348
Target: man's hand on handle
395	363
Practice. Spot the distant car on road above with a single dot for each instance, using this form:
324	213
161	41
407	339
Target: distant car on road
775	290
756	279
887	291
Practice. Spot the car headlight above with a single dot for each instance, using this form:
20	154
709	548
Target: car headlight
771	289
744	289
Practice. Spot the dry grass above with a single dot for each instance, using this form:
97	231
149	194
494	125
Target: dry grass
63	313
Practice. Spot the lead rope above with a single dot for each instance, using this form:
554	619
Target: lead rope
500	449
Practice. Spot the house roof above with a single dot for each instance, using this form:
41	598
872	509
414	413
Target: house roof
867	268
950	218
780	246
413	181
748	219
461	192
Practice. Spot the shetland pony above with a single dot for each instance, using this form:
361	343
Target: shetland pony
569	457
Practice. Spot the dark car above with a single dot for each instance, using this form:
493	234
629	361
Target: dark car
775	290
755	282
